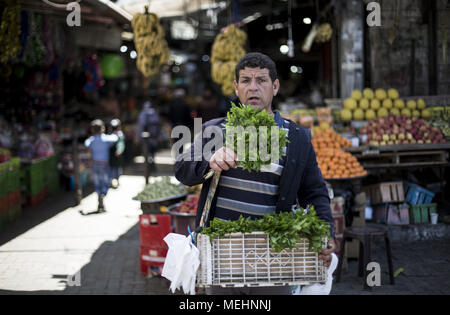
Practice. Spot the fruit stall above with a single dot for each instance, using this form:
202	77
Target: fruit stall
386	149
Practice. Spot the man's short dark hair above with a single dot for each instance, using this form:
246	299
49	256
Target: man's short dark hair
97	126
257	60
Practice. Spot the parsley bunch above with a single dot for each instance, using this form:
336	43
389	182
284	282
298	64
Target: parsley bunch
242	116
285	229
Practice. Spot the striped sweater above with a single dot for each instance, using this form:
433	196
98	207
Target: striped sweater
250	194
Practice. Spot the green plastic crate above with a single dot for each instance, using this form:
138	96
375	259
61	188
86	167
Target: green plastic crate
420	214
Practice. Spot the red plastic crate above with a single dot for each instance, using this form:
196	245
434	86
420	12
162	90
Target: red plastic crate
153	228
150	256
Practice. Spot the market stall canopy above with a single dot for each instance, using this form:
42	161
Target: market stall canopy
99	11
166	8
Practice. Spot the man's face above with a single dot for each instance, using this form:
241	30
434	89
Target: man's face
255	88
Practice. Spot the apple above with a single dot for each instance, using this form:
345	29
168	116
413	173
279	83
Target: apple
420	141
378	138
428	141
393	137
375	143
385	137
401	136
383	143
390	142
442	141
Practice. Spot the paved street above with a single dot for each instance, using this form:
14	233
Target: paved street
42	251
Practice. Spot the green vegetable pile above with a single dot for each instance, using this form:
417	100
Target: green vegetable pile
285	229
160	189
248	116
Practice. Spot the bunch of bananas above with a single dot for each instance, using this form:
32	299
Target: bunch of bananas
226	51
10	31
324	33
152	48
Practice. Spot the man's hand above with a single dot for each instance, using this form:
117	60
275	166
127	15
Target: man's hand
325	254
223	159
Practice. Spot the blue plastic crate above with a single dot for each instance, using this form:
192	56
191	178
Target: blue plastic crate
416	195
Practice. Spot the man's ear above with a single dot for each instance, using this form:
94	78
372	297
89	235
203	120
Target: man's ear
276	87
235	88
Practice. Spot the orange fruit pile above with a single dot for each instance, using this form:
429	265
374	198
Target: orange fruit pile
329	139
333	161
336	163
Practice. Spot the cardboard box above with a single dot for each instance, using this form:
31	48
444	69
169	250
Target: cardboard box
392	214
337	206
352	249
339	224
359	217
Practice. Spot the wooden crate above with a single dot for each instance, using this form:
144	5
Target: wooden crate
385	192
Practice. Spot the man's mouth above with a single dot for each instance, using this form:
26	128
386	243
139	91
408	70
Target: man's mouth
253	99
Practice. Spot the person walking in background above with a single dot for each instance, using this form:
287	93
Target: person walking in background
149	130
100	143
116	153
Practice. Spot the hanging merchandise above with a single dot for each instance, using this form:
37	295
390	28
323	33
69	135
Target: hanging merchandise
34	50
152	48
112	66
226	52
324	33
10	31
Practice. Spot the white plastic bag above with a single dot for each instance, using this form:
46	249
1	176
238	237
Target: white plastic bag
182	262
317	288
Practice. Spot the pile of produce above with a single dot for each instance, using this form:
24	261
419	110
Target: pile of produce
367	105
226	51
401	130
151	46
248	116
327	138
189	205
440	116
10	31
162	188
285	229
335	163
332	160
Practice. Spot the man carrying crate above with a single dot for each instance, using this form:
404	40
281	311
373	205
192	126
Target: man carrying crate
295	178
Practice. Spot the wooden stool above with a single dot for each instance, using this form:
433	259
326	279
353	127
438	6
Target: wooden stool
364	235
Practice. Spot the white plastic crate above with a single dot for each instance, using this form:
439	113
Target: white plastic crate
238	260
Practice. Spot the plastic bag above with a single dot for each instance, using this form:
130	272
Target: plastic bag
182	262
317	288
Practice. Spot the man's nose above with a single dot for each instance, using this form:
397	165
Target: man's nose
253	85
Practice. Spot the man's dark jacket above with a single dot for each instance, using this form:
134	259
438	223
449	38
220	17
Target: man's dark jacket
301	179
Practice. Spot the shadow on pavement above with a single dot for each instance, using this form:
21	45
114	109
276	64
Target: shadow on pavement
31	217
113	269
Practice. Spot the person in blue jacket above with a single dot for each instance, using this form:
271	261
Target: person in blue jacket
295	179
100	144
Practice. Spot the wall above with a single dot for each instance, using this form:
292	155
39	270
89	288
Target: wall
404	63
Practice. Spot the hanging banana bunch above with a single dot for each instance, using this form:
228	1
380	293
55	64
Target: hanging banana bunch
226	51
324	33
152	48
10	31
